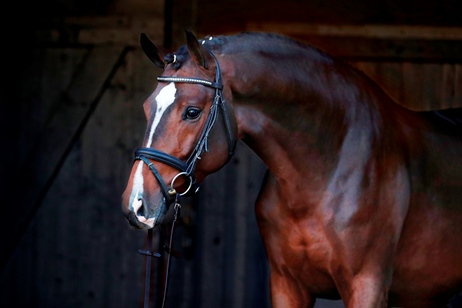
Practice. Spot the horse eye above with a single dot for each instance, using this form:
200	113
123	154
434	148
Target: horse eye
192	113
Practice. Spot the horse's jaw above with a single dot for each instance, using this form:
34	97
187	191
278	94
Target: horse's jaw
142	220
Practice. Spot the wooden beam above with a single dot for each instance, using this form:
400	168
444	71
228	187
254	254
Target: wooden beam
376	42
108	30
363	31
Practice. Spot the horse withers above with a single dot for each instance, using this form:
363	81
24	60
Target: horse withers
362	199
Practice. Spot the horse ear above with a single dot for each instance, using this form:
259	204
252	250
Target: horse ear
154	53
198	53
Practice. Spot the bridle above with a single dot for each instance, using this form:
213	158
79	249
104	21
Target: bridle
187	168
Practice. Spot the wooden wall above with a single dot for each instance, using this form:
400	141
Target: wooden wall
79	119
72	117
77	250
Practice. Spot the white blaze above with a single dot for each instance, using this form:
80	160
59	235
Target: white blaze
164	99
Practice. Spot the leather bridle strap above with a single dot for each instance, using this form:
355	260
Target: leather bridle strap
163	187
145	153
162	157
149	253
177	208
147	281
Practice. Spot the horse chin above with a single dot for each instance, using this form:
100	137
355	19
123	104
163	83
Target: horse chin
151	220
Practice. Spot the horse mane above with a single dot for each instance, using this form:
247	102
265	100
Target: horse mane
265	42
248	41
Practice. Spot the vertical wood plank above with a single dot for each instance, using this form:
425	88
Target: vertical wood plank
457	86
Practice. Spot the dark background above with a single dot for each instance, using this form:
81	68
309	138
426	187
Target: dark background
74	80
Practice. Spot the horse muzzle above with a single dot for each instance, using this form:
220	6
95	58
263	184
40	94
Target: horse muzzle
141	216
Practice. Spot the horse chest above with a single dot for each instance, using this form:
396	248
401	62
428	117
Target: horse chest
299	249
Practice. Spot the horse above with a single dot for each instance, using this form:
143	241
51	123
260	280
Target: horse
362	199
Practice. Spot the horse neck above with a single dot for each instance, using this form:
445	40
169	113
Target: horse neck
303	115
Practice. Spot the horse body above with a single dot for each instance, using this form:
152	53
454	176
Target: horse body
430	243
356	185
362	198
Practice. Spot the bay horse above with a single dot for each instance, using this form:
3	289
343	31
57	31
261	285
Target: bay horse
362	200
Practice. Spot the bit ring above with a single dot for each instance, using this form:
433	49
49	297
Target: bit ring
176	177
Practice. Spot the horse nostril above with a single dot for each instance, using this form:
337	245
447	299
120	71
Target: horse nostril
140	212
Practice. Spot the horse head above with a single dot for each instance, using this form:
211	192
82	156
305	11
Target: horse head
191	131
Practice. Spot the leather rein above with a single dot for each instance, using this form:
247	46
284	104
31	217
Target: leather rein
186	168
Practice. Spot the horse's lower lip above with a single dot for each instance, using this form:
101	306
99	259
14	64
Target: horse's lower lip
146	221
135	222
147	218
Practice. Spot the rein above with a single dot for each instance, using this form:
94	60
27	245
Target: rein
186	168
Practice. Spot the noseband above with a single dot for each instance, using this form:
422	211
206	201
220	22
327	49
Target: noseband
187	168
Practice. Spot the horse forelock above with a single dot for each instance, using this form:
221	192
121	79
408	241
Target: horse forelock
177	58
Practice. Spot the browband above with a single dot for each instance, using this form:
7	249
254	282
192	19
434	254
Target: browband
203	82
